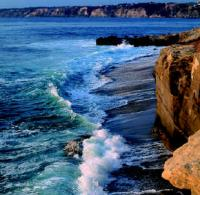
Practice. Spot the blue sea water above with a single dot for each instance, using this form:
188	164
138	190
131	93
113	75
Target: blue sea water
48	68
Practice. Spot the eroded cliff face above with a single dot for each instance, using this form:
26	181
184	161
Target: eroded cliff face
178	90
177	76
131	12
99	12
122	10
183	169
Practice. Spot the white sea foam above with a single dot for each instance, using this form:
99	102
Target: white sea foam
54	92
124	45
145	192
101	81
101	156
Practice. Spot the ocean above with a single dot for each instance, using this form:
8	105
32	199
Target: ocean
49	70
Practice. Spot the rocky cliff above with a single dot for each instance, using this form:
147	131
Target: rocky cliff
177	76
178	87
122	10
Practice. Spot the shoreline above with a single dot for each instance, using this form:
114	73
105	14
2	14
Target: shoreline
132	82
134	122
51	70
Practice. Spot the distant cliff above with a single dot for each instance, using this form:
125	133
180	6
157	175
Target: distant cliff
147	10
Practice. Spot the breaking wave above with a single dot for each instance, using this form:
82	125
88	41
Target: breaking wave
101	156
54	92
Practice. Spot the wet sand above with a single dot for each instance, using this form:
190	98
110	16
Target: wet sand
134	83
142	165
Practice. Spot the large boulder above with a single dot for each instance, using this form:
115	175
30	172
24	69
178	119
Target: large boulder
183	169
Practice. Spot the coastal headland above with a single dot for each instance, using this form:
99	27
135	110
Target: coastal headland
139	10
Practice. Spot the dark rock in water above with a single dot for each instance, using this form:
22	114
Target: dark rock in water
163	40
75	147
111	40
153	40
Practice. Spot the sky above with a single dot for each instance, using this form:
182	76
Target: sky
32	3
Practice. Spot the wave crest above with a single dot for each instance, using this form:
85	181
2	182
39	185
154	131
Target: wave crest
101	156
54	92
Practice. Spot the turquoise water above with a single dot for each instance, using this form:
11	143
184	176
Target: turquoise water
48	68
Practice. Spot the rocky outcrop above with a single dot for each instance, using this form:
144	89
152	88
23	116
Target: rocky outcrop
183	169
110	40
122	10
177	75
74	147
153	40
189	36
178	90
